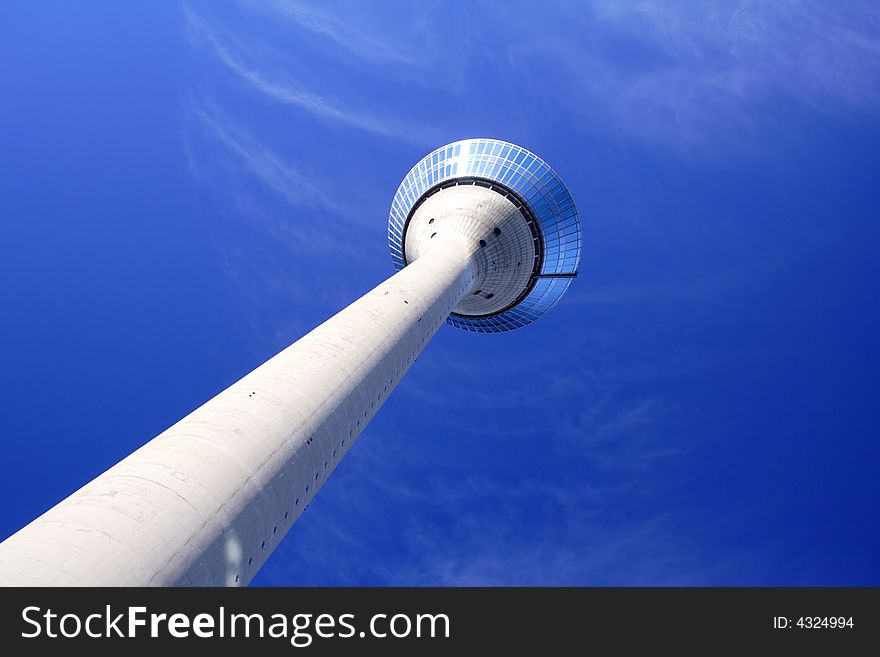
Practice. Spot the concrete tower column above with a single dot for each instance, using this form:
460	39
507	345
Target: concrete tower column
206	501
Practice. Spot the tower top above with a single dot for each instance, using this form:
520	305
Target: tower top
533	264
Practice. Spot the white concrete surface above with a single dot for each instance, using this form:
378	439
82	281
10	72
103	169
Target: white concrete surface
206	501
504	263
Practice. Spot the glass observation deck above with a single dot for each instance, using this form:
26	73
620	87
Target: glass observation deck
529	180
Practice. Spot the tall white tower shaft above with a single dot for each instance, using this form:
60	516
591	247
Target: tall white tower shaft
480	228
206	501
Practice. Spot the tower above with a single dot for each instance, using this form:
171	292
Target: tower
485	237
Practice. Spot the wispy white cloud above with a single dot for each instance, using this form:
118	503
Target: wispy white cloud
424	45
814	51
646	553
276	217
691	73
282	87
346	30
291	183
452	526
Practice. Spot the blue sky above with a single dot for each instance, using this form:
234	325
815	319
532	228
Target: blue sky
186	188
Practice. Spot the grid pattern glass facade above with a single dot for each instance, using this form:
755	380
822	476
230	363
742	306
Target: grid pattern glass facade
535	183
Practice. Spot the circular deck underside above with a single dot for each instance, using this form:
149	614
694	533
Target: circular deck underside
529	199
504	243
